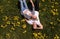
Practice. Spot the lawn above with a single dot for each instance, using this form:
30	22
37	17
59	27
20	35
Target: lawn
13	25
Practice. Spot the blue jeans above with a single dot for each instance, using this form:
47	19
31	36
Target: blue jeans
23	5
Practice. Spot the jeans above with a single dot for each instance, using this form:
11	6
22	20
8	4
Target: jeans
23	5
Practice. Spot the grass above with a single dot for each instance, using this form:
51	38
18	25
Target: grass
13	25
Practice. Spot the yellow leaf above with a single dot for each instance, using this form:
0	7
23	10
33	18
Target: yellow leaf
8	22
52	6
53	12
18	22
44	35
24	26
39	33
3	26
25	31
23	20
43	0
16	18
8	35
54	37
12	28
56	10
51	22
13	24
8	1
56	3
35	34
5	18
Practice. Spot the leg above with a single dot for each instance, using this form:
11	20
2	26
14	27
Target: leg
25	4
22	6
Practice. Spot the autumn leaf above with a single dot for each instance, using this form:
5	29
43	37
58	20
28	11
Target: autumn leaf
24	26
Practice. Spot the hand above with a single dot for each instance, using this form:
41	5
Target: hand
31	1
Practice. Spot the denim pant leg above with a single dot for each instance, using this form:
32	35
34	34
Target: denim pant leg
22	6
25	4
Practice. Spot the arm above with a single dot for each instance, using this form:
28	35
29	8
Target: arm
29	22
32	3
33	6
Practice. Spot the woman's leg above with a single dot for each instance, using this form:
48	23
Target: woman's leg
25	4
22	6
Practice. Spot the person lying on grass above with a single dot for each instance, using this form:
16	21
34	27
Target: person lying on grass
35	22
29	14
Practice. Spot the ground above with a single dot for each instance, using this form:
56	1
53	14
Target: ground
13	25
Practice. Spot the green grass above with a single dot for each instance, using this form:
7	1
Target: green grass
13	25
